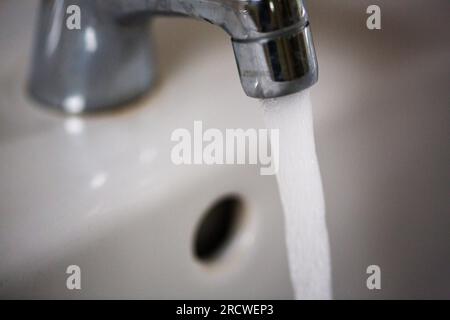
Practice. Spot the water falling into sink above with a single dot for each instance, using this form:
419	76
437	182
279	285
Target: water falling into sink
302	195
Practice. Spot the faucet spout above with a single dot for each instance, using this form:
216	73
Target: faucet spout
109	61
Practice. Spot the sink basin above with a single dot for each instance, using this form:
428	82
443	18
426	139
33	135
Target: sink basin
100	192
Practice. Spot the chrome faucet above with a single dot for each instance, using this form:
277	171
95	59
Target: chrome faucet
109	61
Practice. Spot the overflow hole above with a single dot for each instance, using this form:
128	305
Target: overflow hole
217	228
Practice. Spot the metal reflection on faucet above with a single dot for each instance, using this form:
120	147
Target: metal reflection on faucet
110	60
55	28
90	38
74	104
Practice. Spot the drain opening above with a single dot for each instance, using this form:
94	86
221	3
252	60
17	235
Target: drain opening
217	228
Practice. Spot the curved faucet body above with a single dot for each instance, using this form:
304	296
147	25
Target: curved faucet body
109	60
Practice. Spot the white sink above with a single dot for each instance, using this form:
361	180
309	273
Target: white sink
101	192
